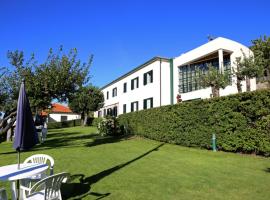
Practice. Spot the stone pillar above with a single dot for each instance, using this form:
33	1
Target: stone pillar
220	60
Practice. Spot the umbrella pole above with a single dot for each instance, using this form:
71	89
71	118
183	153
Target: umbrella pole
18	182
19	158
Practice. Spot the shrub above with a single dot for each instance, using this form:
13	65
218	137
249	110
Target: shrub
96	121
241	123
109	126
64	124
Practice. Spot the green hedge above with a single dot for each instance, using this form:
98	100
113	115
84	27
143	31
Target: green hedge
64	124
241	123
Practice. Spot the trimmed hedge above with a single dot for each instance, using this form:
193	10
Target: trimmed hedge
64	124
241	123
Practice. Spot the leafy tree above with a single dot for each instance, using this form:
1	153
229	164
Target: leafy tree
61	75
247	67
86	100
238	73
261	50
213	78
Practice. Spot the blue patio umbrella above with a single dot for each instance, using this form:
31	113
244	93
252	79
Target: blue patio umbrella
25	132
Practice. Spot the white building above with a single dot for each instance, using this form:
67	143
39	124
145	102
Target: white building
158	81
60	113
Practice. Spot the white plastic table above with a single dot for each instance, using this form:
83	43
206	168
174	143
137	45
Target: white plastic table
12	173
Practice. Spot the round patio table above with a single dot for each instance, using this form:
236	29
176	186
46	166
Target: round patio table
12	173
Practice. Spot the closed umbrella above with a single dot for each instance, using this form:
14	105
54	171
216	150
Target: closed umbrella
25	132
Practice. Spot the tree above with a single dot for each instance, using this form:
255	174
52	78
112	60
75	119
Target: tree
59	77
261	50
213	78
238	73
247	67
87	99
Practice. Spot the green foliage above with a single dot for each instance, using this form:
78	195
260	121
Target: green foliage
241	123
86	100
261	50
247	67
57	78
109	126
96	121
213	78
64	124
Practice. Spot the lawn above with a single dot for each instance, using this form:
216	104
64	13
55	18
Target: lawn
136	168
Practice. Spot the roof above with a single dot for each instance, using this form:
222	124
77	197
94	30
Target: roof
157	58
59	108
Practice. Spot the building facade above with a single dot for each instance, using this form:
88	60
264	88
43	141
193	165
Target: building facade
60	113
159	81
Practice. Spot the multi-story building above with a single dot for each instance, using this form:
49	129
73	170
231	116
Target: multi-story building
159	81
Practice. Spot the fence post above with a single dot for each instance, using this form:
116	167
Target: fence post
214	146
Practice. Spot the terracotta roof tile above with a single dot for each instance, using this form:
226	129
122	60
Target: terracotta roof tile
56	107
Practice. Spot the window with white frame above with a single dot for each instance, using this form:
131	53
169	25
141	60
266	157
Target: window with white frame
114	92
148	103
148	77
135	83
124	108
134	106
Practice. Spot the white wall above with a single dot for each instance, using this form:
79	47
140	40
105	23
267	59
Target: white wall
202	51
151	90
57	116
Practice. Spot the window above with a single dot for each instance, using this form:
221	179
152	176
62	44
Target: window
134	106
148	103
104	112
148	77
114	111
125	108
135	83
125	87
109	111
63	118
107	94
99	113
189	76
114	92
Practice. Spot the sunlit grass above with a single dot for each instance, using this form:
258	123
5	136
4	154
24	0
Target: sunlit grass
136	168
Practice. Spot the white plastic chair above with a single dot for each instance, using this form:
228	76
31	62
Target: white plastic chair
3	194
46	189
41	159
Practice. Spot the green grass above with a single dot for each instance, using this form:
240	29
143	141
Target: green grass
136	168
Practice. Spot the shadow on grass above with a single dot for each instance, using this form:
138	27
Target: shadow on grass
267	170
83	188
98	140
70	140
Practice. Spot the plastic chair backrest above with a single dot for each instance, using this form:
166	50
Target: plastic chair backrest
42	159
51	185
3	194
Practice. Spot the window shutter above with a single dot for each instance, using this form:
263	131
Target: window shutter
144	104
145	79
151	75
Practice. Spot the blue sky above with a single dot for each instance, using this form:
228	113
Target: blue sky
123	34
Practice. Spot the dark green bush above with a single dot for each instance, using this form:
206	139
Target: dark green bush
64	124
96	121
241	123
